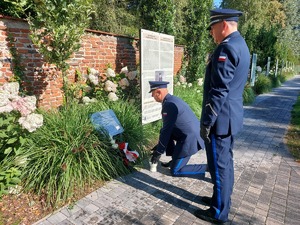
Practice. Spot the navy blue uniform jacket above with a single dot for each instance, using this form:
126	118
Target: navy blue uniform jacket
179	124
225	79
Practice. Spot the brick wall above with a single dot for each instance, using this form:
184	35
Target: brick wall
97	50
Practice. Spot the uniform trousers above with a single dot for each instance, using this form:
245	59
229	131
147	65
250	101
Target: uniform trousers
220	163
179	168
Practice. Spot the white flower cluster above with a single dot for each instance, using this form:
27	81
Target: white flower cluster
94	77
10	101
110	83
200	81
86	100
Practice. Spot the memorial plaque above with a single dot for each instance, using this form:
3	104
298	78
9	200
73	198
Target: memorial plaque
106	121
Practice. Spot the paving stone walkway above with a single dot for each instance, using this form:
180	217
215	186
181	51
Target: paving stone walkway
266	190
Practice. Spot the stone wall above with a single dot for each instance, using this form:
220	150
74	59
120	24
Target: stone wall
98	49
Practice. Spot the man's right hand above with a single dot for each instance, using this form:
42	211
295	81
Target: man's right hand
155	157
204	133
154	148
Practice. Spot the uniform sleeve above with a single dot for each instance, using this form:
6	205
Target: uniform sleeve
223	69
169	117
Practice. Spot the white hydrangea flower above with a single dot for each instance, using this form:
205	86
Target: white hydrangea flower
132	75
198	91
178	83
11	89
4	98
200	81
110	73
110	86
94	79
124	70
112	96
189	84
86	100
31	122
124	83
24	105
182	79
94	72
6	108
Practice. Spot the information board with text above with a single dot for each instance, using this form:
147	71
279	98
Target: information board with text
157	64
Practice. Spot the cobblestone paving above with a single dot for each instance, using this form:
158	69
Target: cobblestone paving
266	190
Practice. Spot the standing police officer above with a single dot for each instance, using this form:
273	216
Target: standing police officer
222	110
180	135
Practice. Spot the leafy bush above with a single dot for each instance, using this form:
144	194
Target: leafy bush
111	86
12	139
275	80
17	119
248	94
9	177
262	84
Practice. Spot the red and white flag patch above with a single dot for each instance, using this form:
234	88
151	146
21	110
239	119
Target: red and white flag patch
222	58
164	114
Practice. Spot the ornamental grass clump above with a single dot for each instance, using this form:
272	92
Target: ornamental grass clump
262	84
67	154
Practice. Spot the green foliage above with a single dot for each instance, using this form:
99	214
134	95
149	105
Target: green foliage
265	44
269	27
293	135
13	137
119	17
12	141
248	94
158	15
191	95
275	81
17	67
8	178
197	18
67	153
16	8
57	29
262	84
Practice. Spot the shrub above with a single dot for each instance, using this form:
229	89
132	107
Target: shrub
275	80
262	84
248	94
17	120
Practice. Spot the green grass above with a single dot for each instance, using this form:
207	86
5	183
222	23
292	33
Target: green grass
192	96
67	154
293	134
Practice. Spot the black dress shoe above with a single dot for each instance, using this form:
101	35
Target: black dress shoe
167	164
208	216
206	200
